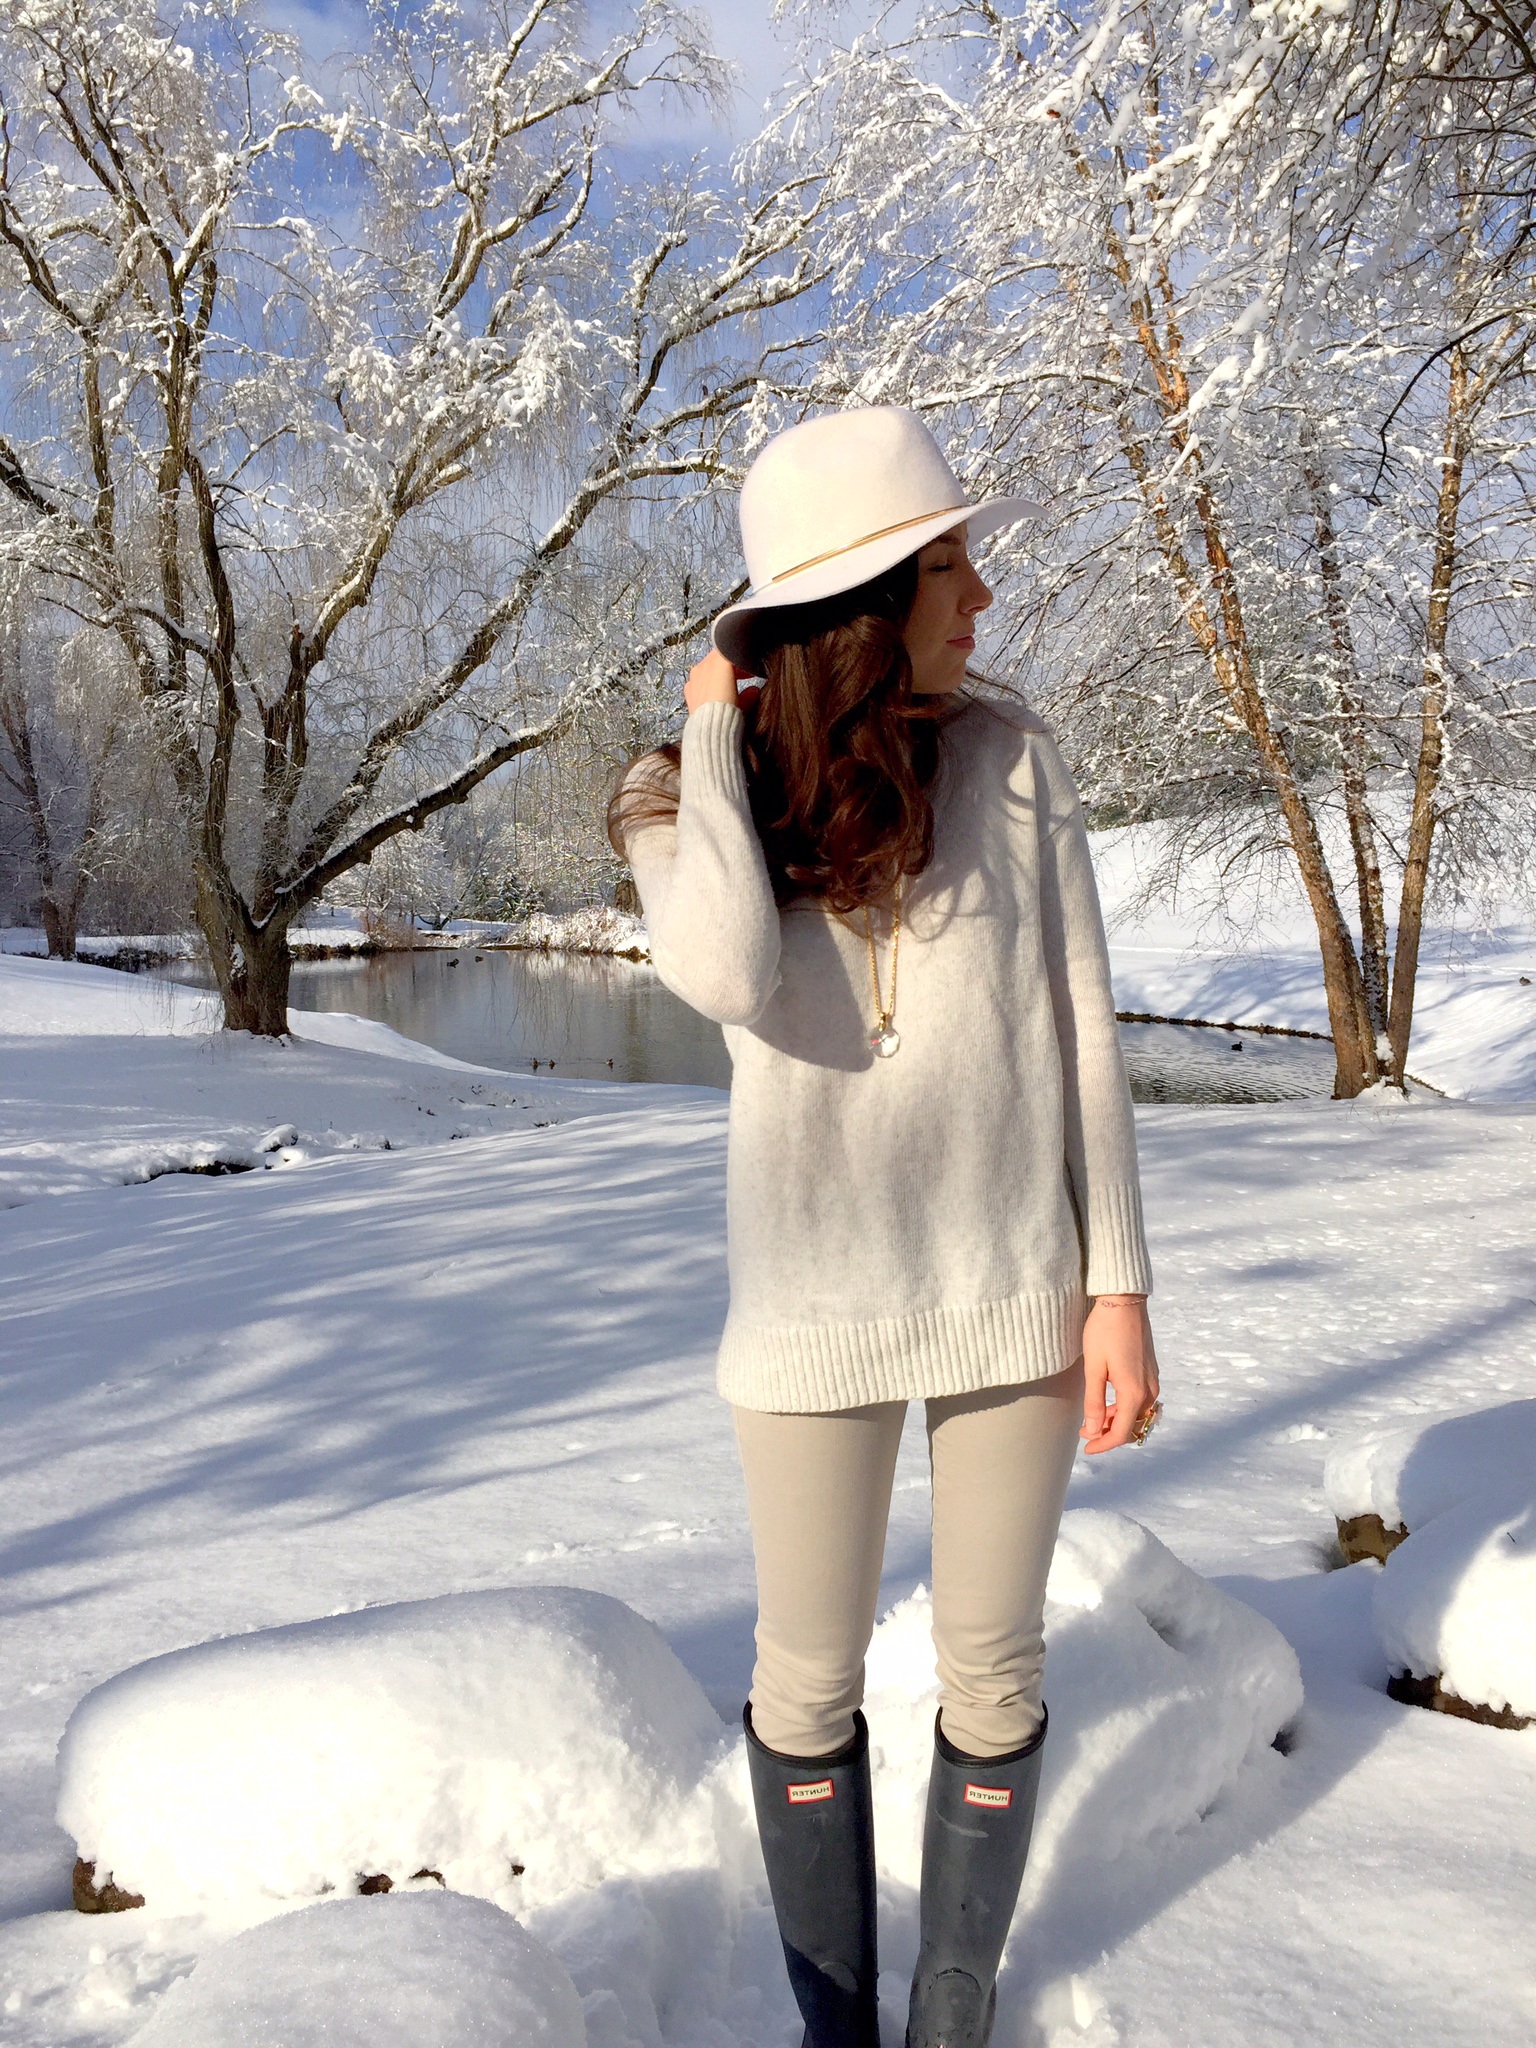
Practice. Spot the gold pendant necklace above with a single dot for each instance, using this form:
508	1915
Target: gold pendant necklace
885	1039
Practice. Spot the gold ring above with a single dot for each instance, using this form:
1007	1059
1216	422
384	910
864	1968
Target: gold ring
1146	1423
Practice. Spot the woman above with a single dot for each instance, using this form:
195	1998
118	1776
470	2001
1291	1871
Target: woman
879	883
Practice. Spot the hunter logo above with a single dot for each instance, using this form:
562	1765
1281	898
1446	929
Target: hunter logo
988	1795
807	1795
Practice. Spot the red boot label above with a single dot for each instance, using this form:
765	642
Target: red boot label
988	1795
807	1795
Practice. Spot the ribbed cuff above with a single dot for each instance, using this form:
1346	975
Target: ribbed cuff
712	753
1118	1262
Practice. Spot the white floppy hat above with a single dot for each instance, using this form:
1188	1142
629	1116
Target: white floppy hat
838	499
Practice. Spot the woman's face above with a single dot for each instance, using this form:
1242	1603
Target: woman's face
940	630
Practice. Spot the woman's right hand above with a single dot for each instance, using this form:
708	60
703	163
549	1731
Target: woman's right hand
712	681
1118	1353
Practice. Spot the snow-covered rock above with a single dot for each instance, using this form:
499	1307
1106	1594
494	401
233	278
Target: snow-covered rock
556	1730
1407	1476
1457	1600
407	1971
1450	1504
1161	1687
523	1744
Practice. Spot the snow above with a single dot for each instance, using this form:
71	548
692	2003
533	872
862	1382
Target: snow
113	1078
54	999
1162	1689
431	1970
31	942
1410	1475
528	1744
240	1404
598	930
523	1744
1243	950
1457	1600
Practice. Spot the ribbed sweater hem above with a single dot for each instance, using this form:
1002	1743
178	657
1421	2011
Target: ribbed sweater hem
817	1368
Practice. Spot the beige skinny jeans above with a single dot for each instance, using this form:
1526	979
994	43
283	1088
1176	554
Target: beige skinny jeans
819	1489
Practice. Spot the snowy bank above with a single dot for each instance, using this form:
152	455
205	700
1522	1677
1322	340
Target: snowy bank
1449	1504
545	1749
601	930
415	1971
1161	1690
338	931
131	950
113	1079
519	1744
597	928
1245	952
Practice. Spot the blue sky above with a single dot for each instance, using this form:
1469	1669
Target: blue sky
743	32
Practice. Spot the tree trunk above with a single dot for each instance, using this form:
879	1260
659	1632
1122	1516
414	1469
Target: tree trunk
1353	751
60	925
1426	783
256	999
251	963
1356	1064
60	909
1222	636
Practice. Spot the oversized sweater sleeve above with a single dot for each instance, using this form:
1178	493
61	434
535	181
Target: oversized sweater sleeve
1096	1098
703	882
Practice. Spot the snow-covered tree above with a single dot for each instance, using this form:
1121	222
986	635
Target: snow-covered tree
375	429
1244	293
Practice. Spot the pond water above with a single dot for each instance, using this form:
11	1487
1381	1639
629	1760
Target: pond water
596	1019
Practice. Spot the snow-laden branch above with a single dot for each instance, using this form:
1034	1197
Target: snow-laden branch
411	816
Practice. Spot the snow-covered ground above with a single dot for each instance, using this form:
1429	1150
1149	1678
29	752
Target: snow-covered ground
1246	953
236	1403
111	1078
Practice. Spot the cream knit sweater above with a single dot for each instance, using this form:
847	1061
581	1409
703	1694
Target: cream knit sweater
930	1223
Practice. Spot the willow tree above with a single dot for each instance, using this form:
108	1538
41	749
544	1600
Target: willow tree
364	423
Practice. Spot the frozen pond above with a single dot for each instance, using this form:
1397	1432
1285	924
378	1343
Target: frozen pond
595	1018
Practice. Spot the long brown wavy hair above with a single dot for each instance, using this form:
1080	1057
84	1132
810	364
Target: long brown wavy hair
840	752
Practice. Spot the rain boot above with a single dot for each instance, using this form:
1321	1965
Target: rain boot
975	1842
816	1824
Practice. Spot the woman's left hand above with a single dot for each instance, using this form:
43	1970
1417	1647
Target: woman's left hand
1117	1352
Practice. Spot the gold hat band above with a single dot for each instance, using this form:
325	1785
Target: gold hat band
863	542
